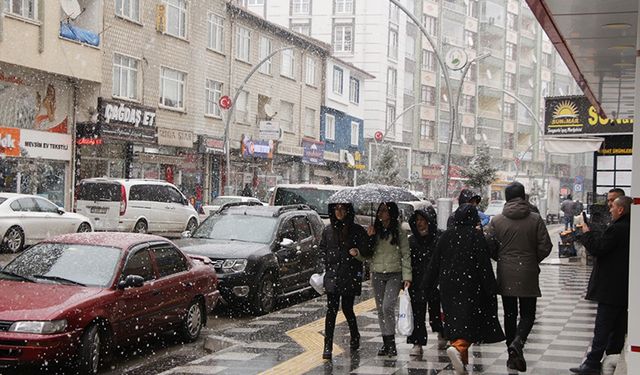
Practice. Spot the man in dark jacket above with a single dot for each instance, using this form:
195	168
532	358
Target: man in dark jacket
608	285
520	241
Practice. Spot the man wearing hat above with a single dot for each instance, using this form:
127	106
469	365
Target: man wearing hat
469	197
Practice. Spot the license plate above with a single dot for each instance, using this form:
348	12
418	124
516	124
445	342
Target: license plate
99	210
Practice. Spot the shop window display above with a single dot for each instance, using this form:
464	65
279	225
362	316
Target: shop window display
43	178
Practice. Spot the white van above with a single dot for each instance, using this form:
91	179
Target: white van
142	206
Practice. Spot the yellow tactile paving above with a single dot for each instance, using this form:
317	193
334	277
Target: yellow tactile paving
311	340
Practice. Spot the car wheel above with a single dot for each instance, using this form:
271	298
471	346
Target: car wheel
13	240
265	297
193	322
192	225
90	353
141	227
84	227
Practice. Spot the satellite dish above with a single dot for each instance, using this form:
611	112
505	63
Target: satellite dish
71	8
350	159
489	74
268	110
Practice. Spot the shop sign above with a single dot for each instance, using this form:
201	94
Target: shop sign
127	121
174	137
431	172
574	115
29	143
158	159
617	145
9	142
312	152
210	145
256	148
270	130
88	134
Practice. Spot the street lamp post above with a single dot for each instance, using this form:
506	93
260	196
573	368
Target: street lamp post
232	109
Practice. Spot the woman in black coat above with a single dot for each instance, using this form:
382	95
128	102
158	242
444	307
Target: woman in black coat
342	240
424	236
462	267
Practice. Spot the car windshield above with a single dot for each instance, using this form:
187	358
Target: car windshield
314	198
245	228
67	263
219	201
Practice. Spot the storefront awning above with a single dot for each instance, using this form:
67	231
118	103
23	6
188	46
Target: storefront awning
572	145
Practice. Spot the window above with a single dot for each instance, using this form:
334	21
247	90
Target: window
329	126
472	8
177	18
213	90
392	82
393	44
410	53
343	7
125	77
243	43
139	264
28	205
408	83
309	122
354	90
512	21
265	50
302	28
470	39
310	71
546	60
256	2
468	104
286	115
172	88
300	7
510	81
510	111
431	24
46	206
337	80
391	117
242	107
128	9
343	38
169	261
286	69
22	8
428	60
301	224
426	129
171	195
216	33
508	141
428	94
355	133
511	51
394	13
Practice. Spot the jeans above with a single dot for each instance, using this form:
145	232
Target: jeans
609	332
333	302
527	316
419	307
568	222
386	287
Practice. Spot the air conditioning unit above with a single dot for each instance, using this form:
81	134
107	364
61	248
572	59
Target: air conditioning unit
161	18
343	156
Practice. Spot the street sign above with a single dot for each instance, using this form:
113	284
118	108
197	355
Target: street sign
378	135
270	130
225	102
577	188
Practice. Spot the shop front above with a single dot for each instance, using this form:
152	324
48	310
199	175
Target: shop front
212	150
253	169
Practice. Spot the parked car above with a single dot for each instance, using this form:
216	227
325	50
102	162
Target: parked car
27	219
495	207
314	196
76	297
219	201
260	253
136	205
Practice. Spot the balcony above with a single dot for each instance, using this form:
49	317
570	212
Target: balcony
495	115
454	6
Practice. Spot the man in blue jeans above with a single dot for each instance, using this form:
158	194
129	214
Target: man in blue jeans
568	207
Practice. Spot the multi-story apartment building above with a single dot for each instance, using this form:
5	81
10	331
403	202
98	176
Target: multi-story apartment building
408	100
164	67
49	67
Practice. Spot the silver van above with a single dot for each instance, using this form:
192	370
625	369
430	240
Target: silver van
136	205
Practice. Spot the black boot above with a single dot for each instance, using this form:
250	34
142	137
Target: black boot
354	344
516	356
391	351
385	346
328	348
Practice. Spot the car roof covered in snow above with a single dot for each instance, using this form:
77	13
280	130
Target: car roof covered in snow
109	239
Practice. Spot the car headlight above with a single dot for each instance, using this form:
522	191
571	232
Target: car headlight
234	265
40	327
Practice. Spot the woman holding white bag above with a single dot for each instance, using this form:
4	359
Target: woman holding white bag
342	240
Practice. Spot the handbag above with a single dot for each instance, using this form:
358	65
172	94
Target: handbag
317	282
405	315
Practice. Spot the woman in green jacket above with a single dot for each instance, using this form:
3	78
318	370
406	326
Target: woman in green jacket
390	269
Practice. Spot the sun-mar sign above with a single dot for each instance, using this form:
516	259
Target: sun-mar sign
574	115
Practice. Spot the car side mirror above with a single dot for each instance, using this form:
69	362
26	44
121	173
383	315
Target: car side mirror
286	242
60	211
131	281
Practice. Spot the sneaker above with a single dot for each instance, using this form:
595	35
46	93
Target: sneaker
456	360
416	351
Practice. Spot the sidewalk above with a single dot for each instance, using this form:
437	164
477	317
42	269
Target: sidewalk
290	341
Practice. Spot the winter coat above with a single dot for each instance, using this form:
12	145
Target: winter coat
568	207
422	247
609	281
519	241
389	258
462	267
465	197
343	272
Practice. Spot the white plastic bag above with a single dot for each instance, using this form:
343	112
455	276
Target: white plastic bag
405	315
317	282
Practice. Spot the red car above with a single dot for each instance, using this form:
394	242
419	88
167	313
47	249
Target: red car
78	296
